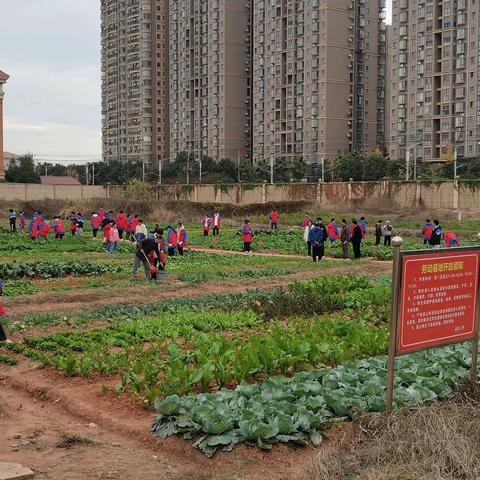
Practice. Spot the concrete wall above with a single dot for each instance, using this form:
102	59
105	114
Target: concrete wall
341	197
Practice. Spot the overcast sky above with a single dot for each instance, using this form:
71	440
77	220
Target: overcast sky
51	50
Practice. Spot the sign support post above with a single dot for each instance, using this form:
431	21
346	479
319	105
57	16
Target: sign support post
397	243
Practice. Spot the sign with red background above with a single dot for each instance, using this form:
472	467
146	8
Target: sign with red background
438	299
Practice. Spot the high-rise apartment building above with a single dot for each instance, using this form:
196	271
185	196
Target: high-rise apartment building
319	71
210	71
435	88
135	117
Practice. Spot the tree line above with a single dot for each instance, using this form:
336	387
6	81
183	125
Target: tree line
354	166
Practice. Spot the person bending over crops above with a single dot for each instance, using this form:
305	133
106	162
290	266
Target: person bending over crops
144	248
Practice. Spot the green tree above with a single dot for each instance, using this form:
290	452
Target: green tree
22	170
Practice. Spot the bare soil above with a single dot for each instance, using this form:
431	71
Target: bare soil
70	430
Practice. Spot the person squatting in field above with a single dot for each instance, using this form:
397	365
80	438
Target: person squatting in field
145	247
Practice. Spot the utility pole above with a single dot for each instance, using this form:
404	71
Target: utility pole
143	170
323	169
272	161
188	169
455	166
160	171
93	173
200	166
407	161
46	169
238	167
86	174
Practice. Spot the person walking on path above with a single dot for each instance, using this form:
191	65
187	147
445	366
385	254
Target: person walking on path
387	234
216	224
436	238
306	237
247	237
144	248
181	238
357	239
317	239
273	217
207	222
345	239
378	233
427	230
12	218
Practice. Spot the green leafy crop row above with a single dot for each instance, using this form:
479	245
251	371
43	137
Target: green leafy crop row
299	409
53	269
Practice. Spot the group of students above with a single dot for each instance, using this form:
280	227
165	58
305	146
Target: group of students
213	223
317	234
432	235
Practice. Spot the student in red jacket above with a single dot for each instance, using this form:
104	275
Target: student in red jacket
273	217
43	230
106	231
96	224
59	228
182	238
247	237
172	241
122	223
206	225
216	223
73	224
451	240
133	226
427	230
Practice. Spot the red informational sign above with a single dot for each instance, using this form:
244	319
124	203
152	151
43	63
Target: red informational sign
438	299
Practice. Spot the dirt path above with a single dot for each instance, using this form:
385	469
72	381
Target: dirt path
46	408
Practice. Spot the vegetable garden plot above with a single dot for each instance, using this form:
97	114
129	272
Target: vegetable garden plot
300	409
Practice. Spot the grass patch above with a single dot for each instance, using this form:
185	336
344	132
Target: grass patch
437	442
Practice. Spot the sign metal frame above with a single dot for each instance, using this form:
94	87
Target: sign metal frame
394	338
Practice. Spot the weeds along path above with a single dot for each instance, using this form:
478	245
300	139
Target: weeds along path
50	411
76	301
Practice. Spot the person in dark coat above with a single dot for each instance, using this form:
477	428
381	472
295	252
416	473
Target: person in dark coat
317	238
357	237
